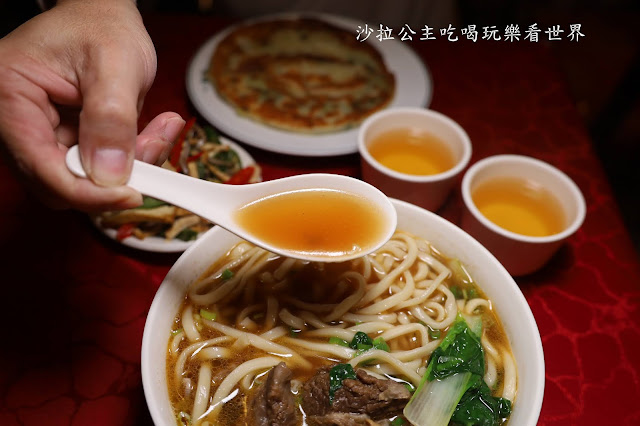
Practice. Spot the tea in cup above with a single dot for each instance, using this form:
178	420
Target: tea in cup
413	154
521	209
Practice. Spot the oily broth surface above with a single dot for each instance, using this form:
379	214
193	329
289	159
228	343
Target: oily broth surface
312	282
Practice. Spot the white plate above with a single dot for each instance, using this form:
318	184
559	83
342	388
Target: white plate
161	245
413	88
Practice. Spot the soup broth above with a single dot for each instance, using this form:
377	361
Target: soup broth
320	222
412	151
252	306
519	206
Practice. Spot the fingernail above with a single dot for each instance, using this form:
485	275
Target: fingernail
173	127
110	166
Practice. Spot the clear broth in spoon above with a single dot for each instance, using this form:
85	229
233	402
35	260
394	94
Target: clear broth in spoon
320	222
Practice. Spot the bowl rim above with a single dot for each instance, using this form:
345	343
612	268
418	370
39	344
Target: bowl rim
154	397
447	174
581	207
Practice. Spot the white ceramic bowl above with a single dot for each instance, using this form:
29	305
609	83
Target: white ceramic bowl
508	300
521	254
426	191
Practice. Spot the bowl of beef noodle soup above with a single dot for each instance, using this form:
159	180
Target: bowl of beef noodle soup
428	330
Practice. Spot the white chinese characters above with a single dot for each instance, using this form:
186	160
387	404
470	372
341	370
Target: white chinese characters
511	33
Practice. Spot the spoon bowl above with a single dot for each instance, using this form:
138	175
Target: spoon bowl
220	203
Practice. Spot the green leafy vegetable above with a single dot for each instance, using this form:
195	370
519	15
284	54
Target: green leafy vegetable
337	374
478	407
398	421
434	402
151	203
175	332
187	235
361	341
457	291
229	161
227	274
459	351
212	134
452	388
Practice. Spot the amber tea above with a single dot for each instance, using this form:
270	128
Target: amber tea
412	151
521	206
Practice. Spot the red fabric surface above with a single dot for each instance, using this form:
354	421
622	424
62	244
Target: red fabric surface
74	303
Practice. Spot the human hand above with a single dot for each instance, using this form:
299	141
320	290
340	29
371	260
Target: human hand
79	73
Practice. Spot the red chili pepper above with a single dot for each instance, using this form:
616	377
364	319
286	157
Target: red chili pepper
125	231
195	157
174	156
241	176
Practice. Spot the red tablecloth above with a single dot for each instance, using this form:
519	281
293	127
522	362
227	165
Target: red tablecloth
74	303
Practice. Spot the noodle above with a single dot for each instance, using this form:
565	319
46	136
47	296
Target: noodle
389	359
350	301
202	392
258	342
271	309
509	389
175	342
236	375
292	320
189	325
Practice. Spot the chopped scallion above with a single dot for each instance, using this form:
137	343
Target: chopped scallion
398	421
338	341
211	316
379	343
227	274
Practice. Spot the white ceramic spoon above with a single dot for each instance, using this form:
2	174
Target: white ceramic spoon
218	203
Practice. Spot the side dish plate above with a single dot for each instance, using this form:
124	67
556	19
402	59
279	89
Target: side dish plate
161	245
413	88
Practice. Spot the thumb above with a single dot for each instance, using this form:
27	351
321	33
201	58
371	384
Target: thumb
107	134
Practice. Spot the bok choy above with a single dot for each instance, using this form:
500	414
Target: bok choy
453	389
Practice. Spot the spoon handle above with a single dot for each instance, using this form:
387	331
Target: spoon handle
198	196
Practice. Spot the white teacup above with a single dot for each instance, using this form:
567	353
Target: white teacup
427	191
521	254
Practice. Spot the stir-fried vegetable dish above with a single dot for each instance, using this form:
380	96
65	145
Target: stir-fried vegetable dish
199	153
